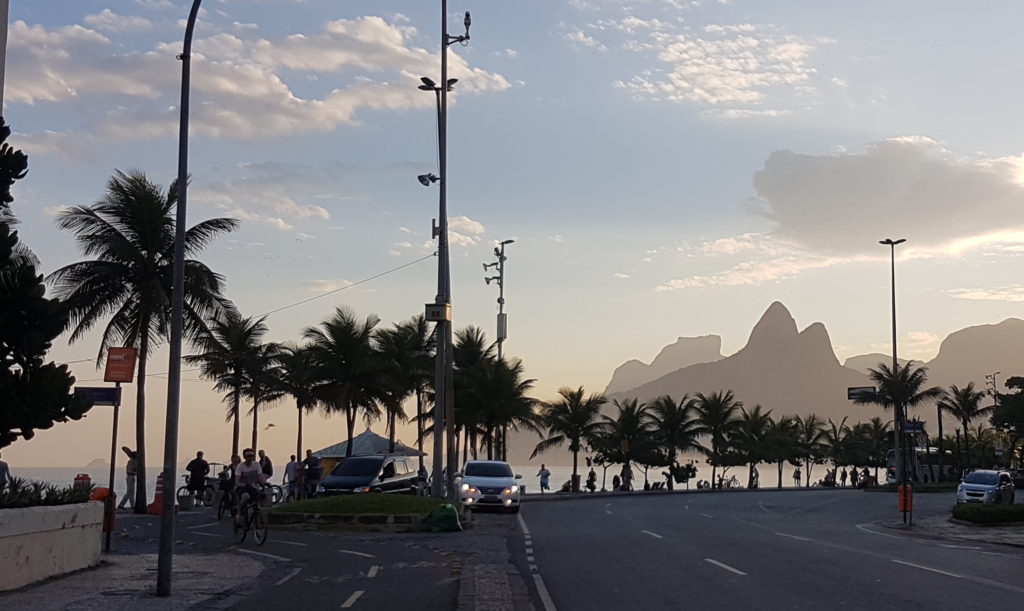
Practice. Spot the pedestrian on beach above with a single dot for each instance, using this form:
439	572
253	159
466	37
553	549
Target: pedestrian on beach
627	477
265	465
796	477
853	476
545	478
842	477
5	474
130	471
197	469
310	473
616	483
592	480
291	478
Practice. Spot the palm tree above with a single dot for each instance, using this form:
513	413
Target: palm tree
470	352
836	440
297	376
422	345
782	442
573	418
748	438
629	430
348	367
716	417
964	404
225	351
131	234
810	434
499	390
404	349
903	386
675	429
262	383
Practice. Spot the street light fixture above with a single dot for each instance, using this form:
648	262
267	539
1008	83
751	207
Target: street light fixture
427	179
440	310
900	417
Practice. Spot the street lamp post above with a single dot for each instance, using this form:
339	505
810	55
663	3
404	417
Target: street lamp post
901	473
499	264
166	549
440	310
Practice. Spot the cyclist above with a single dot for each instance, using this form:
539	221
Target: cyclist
248	476
198	469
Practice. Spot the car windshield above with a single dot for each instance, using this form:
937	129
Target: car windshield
358	466
485	469
981	478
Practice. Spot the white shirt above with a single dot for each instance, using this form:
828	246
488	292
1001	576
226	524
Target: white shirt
291	471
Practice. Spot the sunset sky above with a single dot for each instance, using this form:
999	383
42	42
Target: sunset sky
666	167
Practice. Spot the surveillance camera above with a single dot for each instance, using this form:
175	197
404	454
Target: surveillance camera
424	179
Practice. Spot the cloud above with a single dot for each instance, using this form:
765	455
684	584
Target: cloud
909	187
581	40
464	231
756	272
326	286
557	238
1011	294
109	21
240	84
621	276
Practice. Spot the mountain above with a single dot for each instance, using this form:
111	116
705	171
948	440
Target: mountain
863	362
684	352
781	368
968	355
97	463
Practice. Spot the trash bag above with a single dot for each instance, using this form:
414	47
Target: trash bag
444	519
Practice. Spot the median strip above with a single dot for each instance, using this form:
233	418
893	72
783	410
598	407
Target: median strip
290	574
723	565
351	600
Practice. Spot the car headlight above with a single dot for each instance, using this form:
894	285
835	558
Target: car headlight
320	488
465	487
510	490
361	489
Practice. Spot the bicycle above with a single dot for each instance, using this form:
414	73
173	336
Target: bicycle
252	518
276	494
205	496
228	504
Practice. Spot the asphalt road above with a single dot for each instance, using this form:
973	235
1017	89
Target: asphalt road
757	550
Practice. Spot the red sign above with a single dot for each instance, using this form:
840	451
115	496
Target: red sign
120	365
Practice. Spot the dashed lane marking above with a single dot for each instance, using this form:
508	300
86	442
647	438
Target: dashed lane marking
792	537
291	573
351	600
864	528
530	559
264	554
707	515
533	568
296	543
725	566
354	553
542	591
959	546
204	525
370	574
655	535
522	525
927	568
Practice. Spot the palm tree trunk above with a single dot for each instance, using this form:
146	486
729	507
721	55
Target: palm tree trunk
750	476
575	459
474	444
140	423
298	439
236	429
780	474
490	443
255	423
465	445
419	425
391	433
350	425
967	442
942	452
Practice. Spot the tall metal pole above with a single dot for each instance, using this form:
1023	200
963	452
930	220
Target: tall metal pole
901	472
166	550
113	459
448	385
5	8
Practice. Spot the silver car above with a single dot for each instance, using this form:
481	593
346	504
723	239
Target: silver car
985	486
489	483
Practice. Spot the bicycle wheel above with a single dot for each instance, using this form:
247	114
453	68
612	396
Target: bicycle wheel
259	526
241	524
183	491
208	495
276	494
225	505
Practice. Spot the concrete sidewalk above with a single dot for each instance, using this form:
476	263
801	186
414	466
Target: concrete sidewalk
942	527
127	582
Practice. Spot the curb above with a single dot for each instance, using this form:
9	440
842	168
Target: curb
568	496
929	534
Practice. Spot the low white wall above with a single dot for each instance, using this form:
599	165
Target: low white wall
37	543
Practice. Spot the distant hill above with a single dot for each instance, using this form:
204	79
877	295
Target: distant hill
864	362
968	355
97	463
684	352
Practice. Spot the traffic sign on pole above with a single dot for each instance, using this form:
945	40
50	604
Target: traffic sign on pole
99	395
120	365
856	392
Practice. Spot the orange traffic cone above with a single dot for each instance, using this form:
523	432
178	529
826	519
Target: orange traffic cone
156	507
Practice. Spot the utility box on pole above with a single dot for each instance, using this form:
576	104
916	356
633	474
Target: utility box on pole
502	327
437	312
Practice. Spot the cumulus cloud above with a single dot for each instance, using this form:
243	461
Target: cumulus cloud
579	39
1012	293
109	21
905	187
774	269
621	276
240	87
326	286
464	231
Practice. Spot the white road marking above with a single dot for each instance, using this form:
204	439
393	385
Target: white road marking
209	535
265	555
291	543
533	568
927	568
348	551
204	525
707	515
531	559
725	566
959	546
542	591
351	600
792	537
875	532
522	524
655	535
1002	554
763	508
290	574
370	574
687	507
608	512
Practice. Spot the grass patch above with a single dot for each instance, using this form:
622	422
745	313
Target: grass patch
359	504
989	514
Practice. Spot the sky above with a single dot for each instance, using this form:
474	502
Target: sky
666	168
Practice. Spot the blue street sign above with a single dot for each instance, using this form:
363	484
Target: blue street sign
914	426
99	395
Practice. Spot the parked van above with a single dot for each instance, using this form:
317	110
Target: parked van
377	473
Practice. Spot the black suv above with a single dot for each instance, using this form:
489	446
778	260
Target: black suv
378	473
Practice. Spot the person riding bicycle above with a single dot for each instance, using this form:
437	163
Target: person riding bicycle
197	469
248	476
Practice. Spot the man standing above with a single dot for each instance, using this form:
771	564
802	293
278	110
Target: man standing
130	469
796	477
545	478
5	475
310	473
197	469
266	465
291	478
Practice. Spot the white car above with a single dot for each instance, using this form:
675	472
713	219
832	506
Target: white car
489	483
985	486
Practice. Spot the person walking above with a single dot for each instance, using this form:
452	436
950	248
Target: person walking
130	470
291	479
311	471
796	477
266	465
853	476
5	475
545	478
197	469
627	477
842	477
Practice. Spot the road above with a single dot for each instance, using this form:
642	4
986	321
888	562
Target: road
756	550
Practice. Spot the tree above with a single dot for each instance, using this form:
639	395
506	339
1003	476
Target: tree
834	439
903	386
629	430
782	443
405	350
748	438
716	417
33	394
499	390
675	428
131	234
1008	415
573	417
297	377
964	404
262	383
348	367
470	352
225	352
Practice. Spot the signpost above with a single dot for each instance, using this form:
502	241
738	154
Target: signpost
856	392
914	427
